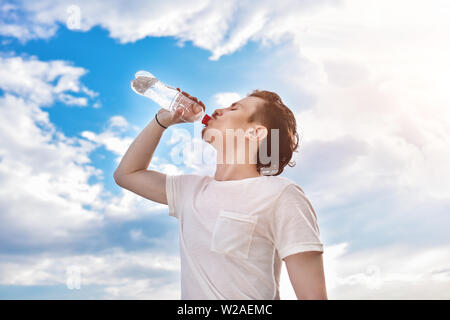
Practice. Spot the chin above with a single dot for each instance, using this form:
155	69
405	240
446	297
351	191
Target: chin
211	139
211	136
203	134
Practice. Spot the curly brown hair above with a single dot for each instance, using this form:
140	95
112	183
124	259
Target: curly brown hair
274	114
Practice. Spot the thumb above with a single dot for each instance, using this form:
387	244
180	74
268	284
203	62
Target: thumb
178	114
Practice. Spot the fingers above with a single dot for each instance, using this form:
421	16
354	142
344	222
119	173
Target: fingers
193	98
189	96
197	108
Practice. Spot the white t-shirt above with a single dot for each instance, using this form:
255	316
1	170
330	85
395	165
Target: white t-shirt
234	234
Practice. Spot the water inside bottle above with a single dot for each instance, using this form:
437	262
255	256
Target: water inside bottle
148	85
167	97
189	115
143	80
143	73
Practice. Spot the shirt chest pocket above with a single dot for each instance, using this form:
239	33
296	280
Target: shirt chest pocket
233	233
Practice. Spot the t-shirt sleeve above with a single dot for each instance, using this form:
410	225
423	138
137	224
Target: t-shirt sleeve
295	224
179	190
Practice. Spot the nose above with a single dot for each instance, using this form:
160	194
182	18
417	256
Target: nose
217	112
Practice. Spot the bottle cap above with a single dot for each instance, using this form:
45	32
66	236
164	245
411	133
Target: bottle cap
205	119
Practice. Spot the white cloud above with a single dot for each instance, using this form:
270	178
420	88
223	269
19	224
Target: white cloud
38	163
14	23
225	99
48	204
221	27
44	173
47	197
122	275
128	206
380	94
71	100
44	177
378	99
375	75
113	138
392	272
119	122
110	139
43	82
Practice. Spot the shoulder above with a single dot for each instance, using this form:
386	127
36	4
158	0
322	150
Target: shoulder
287	194
291	199
280	185
188	178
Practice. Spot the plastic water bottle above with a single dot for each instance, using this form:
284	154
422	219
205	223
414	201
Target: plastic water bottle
167	97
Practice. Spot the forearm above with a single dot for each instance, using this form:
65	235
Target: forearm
140	152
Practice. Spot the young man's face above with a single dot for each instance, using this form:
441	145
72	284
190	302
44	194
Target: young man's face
232	118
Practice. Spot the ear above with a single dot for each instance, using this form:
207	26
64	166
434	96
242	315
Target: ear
257	132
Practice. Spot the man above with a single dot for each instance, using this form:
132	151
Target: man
237	227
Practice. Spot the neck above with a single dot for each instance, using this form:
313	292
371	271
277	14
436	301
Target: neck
226	172
241	166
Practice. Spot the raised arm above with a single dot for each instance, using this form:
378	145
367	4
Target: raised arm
132	173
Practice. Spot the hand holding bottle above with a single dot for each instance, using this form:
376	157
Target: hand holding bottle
181	114
168	98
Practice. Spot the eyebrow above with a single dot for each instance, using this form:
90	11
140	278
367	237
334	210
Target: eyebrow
235	104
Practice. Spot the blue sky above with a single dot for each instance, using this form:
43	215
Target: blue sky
372	156
110	66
